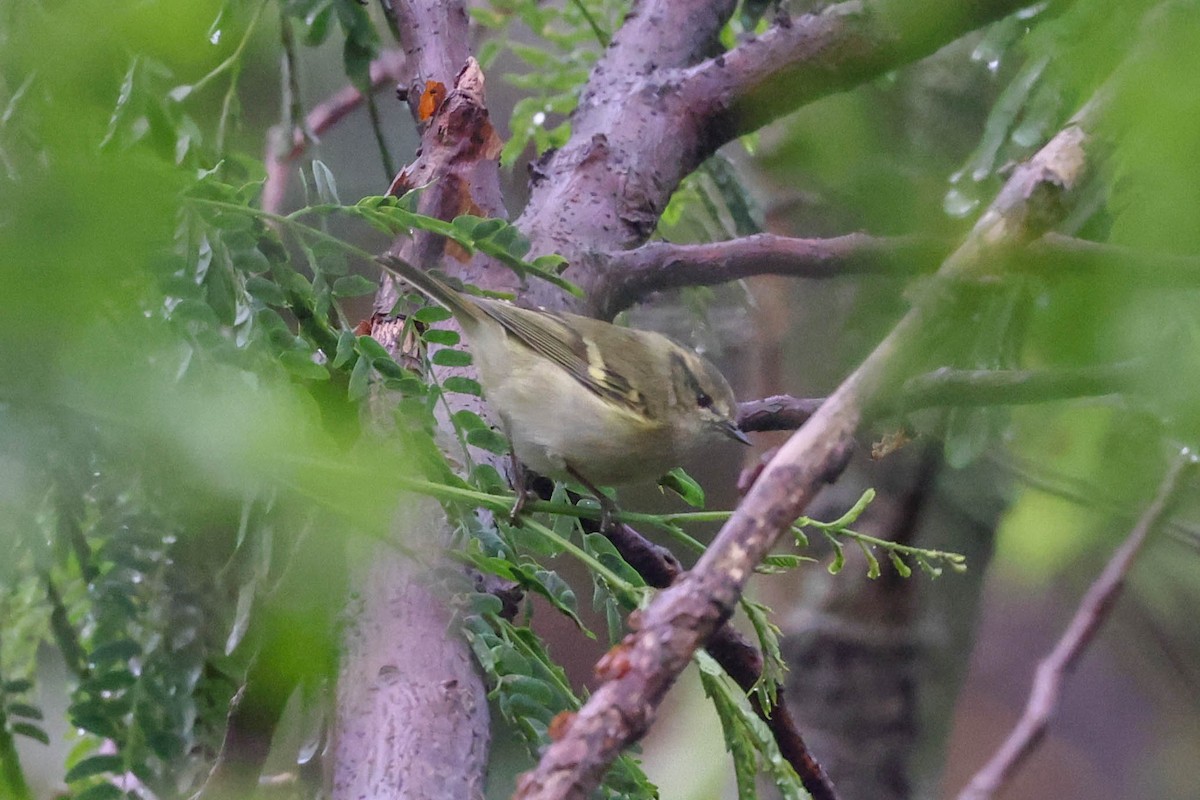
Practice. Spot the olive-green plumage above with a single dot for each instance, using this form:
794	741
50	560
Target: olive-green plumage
579	397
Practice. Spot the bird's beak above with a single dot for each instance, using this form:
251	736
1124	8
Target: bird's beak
730	429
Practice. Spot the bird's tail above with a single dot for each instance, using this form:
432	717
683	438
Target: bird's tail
456	302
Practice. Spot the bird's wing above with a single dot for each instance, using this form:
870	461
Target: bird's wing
549	336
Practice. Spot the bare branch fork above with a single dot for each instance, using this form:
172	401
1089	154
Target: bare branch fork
657	106
1052	671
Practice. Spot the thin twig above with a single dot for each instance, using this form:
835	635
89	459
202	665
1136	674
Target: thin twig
780	412
1093	610
946	387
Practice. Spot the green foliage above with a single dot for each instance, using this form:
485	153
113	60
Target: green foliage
931	562
183	384
570	38
530	689
747	737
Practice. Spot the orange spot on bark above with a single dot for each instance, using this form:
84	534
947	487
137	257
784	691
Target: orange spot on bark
614	664
431	99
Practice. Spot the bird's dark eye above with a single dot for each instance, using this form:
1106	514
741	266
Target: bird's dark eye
703	400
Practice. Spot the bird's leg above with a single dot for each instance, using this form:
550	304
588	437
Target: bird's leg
518	479
607	507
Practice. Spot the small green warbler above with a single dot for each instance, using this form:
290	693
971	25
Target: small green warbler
584	399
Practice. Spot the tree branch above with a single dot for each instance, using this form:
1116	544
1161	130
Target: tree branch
638	132
819	54
681	618
633	274
781	412
741	660
1093	610
956	387
433	34
405	713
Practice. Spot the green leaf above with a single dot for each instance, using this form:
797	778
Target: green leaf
551	264
839	557
95	765
476	228
301	364
466	420
353	286
372	349
412	386
25	710
249	259
451	358
782	562
356	58
17	686
325	182
220	291
390	369
745	762
462	385
490	440
774	667
317	27
266	291
488	478
360	380
444	337
598	545
685	486
432	314
120	650
904	569
872	561
537	690
30	731
345	349
101	791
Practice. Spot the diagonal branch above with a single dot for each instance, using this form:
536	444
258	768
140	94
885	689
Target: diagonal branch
741	660
1093	610
819	54
683	617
